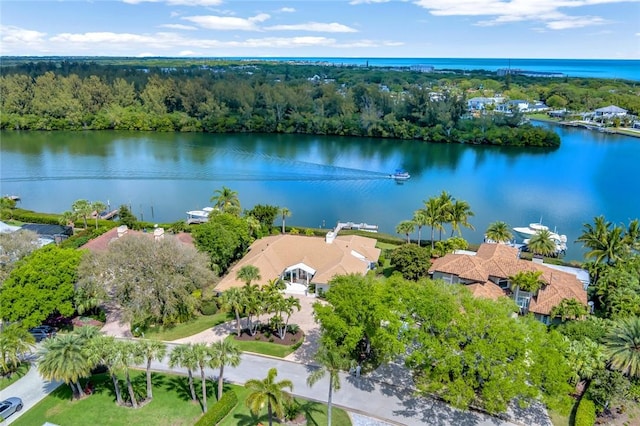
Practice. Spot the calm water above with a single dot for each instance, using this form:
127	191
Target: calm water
323	180
626	69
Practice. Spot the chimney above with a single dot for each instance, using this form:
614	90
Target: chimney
122	230
158	234
330	237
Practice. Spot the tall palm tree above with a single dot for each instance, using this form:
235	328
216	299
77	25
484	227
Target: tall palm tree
182	356
68	218
527	281
460	212
97	207
234	299
283	308
226	200
150	350
14	341
129	356
569	309
285	213
331	363
622	346
433	213
605	243
224	352
632	236
270	392
64	358
586	357
406	227
82	209
248	273
445	200
420	219
104	350
202	356
253	305
541	243
499	232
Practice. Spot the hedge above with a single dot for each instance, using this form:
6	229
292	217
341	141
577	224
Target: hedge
586	413
219	410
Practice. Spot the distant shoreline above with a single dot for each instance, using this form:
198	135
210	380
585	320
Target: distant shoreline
635	133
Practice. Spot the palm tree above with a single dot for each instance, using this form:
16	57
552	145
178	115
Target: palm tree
420	219
270	392
82	209
182	356
248	273
606	244
632	237
253	305
434	215
542	244
284	212
14	341
445	200
622	346
406	227
67	218
129	356
284	306
97	207
226	200
460	211
150	350
586	357
499	232
569	309
201	356
224	352
87	333
331	362
234	299
527	281
104	350
64	358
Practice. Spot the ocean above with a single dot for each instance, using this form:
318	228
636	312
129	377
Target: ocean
624	69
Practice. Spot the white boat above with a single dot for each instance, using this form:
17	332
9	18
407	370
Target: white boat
531	230
400	175
526	232
197	216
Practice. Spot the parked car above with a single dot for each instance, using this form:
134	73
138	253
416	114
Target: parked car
10	406
42	332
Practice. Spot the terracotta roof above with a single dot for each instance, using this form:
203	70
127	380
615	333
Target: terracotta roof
273	254
501	261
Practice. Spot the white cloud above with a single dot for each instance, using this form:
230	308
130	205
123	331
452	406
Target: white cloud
188	53
332	27
15	39
228	23
287	10
178	27
507	11
354	2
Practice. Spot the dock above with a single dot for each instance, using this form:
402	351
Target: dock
356	226
12	197
107	215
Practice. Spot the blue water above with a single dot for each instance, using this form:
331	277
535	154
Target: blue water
628	69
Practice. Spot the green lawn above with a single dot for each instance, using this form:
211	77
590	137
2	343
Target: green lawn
171	406
22	370
190	328
314	412
264	348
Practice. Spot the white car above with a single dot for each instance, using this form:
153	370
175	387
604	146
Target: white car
10	406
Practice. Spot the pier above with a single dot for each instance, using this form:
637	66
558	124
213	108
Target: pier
356	226
107	215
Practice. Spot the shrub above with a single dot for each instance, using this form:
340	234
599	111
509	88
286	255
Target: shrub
219	410
586	413
294	231
309	232
208	307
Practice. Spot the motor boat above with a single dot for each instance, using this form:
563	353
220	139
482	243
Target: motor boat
400	175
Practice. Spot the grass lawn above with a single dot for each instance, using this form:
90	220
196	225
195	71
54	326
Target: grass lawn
171	406
314	412
264	348
190	328
22	370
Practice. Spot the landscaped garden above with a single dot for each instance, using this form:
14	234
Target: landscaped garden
171	405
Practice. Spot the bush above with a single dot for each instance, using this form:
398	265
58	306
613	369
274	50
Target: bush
208	307
219	410
586	413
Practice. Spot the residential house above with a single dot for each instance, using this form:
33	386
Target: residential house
101	243
517	105
302	261
480	103
610	112
486	274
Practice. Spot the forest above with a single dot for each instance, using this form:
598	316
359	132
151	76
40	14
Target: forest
173	95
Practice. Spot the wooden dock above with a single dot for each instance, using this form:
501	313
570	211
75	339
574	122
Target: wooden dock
106	215
356	226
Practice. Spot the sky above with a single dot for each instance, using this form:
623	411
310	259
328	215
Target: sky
556	29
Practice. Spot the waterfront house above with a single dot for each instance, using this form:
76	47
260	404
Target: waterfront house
480	103
516	105
486	274
301	261
610	112
101	243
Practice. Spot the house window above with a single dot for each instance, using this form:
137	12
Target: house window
448	278
503	283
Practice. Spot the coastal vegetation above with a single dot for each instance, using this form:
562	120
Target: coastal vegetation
256	98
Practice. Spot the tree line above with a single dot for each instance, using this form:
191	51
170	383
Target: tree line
257	99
